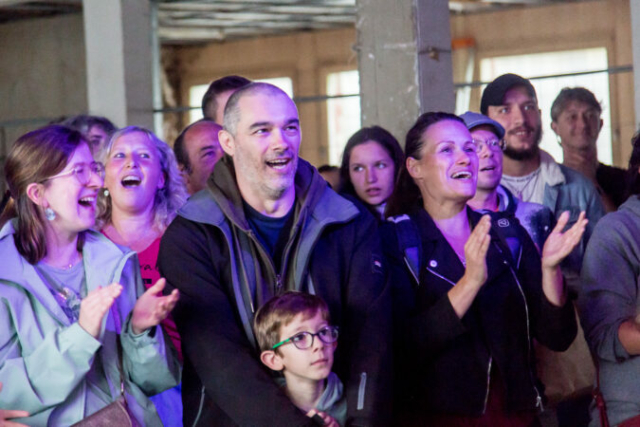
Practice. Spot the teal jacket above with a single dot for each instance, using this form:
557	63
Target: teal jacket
44	358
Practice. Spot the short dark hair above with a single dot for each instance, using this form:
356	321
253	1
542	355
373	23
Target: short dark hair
178	146
633	174
328	168
84	122
376	134
280	310
407	193
496	90
570	94
232	109
219	86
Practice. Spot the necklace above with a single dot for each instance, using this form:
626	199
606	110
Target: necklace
77	259
519	184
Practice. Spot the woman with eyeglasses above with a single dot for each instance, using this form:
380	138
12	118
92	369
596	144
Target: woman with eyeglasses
370	164
72	304
143	191
466	319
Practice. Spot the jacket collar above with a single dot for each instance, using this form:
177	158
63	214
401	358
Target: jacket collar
97	251
221	200
550	171
439	256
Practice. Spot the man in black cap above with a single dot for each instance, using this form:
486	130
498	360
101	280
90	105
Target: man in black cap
530	173
534	176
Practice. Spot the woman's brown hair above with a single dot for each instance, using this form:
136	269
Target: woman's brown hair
406	193
34	157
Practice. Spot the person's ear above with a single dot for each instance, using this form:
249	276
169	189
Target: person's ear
35	193
272	360
554	126
414	168
600	124
161	181
227	142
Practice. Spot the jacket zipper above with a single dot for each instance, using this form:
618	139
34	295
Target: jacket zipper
486	396
442	277
361	391
199	414
526	309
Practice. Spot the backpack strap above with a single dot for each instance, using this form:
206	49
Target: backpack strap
409	244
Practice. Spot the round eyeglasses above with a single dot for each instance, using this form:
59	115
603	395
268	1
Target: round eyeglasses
304	340
83	172
492	144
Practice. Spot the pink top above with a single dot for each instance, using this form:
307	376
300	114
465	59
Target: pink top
149	271
150	275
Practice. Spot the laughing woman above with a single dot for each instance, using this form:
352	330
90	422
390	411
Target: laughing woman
71	300
144	190
467	321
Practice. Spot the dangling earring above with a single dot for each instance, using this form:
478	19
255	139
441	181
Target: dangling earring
49	214
106	192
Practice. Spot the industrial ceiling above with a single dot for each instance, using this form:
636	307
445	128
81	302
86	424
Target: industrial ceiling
201	21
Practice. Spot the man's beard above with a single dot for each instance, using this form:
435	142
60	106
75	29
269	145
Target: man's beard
526	154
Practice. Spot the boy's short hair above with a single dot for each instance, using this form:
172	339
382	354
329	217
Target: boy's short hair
280	310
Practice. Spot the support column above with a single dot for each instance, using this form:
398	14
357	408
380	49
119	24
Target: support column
635	44
404	58
119	65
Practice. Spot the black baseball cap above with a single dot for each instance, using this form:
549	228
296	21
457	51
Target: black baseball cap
494	92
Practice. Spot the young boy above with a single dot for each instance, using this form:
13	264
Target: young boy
296	338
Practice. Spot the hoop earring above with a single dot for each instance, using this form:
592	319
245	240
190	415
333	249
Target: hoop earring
49	214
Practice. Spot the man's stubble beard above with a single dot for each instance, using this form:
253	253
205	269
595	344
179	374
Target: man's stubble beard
529	153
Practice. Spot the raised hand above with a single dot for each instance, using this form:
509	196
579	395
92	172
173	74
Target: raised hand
475	252
95	305
152	307
558	245
6	414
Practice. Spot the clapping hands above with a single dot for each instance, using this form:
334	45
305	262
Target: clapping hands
558	245
152	307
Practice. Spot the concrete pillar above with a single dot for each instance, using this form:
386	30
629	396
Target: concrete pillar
404	58
119	67
635	42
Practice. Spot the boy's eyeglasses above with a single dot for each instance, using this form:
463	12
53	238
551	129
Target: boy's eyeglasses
83	172
492	144
304	340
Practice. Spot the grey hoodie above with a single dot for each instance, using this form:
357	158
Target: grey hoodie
610	296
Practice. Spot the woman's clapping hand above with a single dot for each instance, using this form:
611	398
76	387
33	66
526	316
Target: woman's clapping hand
152	307
95	305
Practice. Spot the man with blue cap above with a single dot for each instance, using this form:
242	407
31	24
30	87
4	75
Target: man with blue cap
496	200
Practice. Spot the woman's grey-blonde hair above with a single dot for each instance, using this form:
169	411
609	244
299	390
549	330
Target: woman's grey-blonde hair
168	199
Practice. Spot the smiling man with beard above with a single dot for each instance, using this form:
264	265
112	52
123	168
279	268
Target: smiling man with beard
268	223
532	175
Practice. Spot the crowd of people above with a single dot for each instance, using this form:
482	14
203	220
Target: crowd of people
467	279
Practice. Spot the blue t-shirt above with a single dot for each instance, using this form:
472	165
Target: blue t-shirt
272	232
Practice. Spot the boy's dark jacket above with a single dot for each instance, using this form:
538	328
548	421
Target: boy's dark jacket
444	362
211	255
